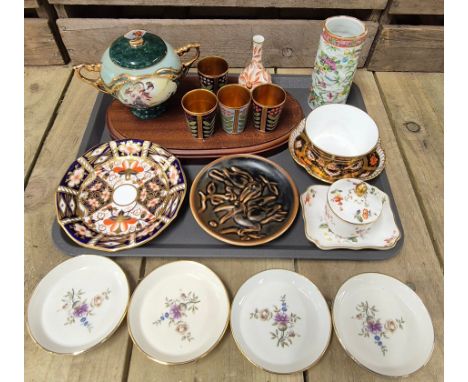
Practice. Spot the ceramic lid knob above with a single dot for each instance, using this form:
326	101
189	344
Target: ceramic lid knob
361	189
137	49
355	201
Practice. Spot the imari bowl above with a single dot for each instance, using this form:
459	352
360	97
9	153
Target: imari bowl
120	195
366	167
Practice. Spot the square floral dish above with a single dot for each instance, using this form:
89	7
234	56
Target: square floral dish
382	235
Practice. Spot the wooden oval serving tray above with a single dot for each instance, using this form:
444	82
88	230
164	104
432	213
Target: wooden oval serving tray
171	132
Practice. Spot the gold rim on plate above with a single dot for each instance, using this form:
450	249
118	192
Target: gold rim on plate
104	339
117	249
354	358
152	358
329	334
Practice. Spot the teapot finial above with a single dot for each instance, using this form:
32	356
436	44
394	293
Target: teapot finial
137	39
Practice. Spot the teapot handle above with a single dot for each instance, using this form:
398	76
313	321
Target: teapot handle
181	51
97	83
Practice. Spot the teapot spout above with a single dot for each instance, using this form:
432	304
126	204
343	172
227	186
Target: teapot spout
95	82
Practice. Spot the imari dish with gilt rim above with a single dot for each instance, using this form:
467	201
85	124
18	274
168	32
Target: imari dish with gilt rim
120	195
178	313
383	234
78	305
383	325
281	321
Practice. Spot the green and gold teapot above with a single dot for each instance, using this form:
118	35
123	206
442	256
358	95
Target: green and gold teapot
141	70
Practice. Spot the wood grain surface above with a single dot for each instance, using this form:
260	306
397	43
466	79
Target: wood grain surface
170	129
43	88
118	360
40	47
31	4
417	7
414	103
345	4
108	361
406	48
288	43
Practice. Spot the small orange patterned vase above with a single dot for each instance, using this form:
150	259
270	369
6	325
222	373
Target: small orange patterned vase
255	73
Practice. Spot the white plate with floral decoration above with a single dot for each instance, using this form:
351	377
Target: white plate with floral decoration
120	195
382	234
78	305
178	313
280	321
383	325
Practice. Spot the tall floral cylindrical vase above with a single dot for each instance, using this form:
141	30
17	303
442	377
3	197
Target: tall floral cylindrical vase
337	57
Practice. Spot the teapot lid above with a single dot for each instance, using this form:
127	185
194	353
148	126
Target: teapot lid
355	201
137	49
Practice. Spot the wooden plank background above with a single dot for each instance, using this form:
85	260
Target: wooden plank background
43	87
40	47
415	106
288	43
31	4
344	4
417	7
408	48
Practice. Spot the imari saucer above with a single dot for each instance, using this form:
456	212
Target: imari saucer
383	325
280	321
382	235
120	195
78	305
178	313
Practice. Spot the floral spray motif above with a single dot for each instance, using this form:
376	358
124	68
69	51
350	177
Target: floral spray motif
79	309
336	60
254	73
283	322
176	313
372	327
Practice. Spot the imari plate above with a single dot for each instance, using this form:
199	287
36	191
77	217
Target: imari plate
382	235
372	164
280	321
120	195
78	305
178	313
383	325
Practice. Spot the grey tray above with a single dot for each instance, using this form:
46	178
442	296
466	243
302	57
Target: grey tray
184	238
